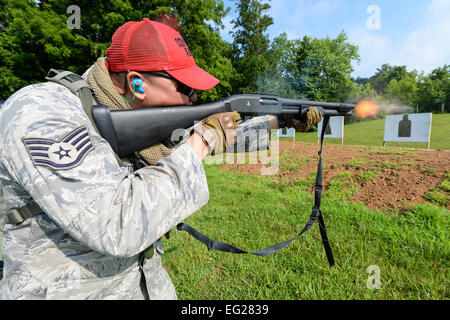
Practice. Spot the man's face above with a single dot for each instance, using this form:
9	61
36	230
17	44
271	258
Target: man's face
159	91
163	92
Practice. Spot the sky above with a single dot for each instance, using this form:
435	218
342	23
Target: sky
414	33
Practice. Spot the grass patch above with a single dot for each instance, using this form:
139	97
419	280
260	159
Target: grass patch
441	194
445	185
289	162
341	186
367	175
411	250
390	165
357	162
437	197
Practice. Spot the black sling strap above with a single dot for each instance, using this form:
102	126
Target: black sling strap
316	215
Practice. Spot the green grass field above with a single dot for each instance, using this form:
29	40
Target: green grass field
371	132
411	250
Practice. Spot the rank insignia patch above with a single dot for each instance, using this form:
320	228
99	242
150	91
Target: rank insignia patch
65	154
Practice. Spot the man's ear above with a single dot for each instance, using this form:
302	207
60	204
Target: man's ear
132	76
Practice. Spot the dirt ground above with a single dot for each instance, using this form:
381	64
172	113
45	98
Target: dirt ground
387	178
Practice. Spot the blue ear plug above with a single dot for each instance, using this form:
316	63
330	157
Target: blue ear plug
137	83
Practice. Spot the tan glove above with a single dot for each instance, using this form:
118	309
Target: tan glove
218	131
313	117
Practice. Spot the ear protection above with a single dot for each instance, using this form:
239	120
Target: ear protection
137	83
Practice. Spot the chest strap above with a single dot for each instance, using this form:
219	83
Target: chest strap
78	86
81	88
20	215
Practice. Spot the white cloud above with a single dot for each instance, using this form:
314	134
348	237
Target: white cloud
319	7
428	46
423	49
373	50
290	16
295	13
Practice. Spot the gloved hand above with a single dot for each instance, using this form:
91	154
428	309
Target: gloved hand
313	117
218	131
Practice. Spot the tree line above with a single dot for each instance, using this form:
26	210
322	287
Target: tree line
34	37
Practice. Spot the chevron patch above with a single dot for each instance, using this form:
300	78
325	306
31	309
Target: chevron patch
65	154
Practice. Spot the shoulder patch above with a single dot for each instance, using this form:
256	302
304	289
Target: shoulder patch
65	154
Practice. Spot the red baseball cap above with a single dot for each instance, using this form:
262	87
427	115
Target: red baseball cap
152	46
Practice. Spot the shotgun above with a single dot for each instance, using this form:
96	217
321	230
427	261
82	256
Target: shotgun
128	131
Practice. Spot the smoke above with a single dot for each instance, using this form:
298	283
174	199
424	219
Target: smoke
289	87
396	108
371	109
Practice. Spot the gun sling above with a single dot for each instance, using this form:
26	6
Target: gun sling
316	215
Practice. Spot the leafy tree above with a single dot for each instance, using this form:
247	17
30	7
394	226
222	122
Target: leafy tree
32	41
250	48
322	68
200	22
364	92
434	90
9	82
384	75
276	78
361	81
99	19
35	37
403	90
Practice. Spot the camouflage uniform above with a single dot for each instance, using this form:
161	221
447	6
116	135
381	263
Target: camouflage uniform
98	216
